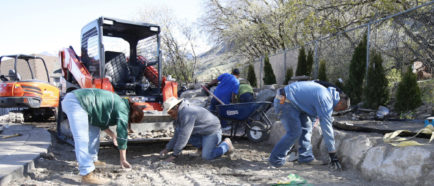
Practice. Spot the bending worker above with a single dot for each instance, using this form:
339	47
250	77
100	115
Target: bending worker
298	102
197	126
226	91
92	110
245	92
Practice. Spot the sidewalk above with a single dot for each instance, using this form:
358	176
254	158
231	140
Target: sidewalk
17	154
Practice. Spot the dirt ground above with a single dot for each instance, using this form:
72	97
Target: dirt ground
247	166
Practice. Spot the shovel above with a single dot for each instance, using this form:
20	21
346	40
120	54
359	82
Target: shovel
11	136
220	101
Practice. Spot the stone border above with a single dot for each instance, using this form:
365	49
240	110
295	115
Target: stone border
376	160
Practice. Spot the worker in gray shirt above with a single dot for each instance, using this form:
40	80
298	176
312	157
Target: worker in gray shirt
196	126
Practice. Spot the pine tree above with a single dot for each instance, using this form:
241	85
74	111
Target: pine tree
376	92
301	65
309	63
322	71
288	75
269	77
251	76
408	95
354	85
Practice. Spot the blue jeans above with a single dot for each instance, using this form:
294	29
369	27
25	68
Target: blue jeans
246	97
209	144
298	126
86	136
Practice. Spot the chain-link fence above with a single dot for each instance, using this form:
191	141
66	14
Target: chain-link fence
401	39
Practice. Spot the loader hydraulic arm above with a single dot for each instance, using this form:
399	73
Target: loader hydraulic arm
72	65
150	72
169	88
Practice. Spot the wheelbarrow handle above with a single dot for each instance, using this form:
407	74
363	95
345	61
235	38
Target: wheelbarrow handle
206	89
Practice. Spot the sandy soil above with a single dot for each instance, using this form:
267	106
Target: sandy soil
247	166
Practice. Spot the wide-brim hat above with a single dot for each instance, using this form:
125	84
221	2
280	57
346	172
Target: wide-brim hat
170	103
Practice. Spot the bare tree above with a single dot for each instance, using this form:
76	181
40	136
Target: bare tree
262	26
177	42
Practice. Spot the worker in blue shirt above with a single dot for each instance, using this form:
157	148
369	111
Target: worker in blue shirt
226	90
299	102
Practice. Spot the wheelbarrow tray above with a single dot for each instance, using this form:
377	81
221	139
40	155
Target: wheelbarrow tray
241	111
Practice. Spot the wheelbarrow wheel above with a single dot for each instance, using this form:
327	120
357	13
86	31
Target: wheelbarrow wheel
257	132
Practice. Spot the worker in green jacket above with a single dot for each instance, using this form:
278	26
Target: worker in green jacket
91	110
245	91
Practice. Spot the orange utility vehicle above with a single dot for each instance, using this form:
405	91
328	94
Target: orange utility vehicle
38	98
120	56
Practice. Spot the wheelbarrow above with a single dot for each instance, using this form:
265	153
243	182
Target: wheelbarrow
251	115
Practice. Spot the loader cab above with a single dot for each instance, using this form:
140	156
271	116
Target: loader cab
120	51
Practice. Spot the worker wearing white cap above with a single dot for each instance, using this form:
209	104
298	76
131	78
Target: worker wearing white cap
197	126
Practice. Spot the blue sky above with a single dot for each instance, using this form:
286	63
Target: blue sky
35	26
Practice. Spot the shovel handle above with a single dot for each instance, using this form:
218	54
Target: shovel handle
11	136
215	97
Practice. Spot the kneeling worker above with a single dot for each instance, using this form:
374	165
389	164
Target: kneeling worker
197	126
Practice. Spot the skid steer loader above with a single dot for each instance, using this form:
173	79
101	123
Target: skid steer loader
123	57
20	88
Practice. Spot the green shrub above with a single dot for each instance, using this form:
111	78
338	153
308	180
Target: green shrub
354	85
251	76
322	71
301	64
309	63
288	75
408	95
376	91
269	77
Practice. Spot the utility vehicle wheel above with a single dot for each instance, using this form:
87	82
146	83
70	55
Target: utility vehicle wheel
60	117
27	116
257	132
56	114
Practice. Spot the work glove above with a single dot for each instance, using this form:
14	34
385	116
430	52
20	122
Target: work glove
334	162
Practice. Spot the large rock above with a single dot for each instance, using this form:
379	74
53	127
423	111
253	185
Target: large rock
277	131
265	95
341	136
273	86
373	159
429	178
316	143
353	149
192	93
319	147
408	165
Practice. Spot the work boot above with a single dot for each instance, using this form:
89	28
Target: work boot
92	179
98	163
313	162
231	147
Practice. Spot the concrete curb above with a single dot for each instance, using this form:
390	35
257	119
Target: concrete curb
18	154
